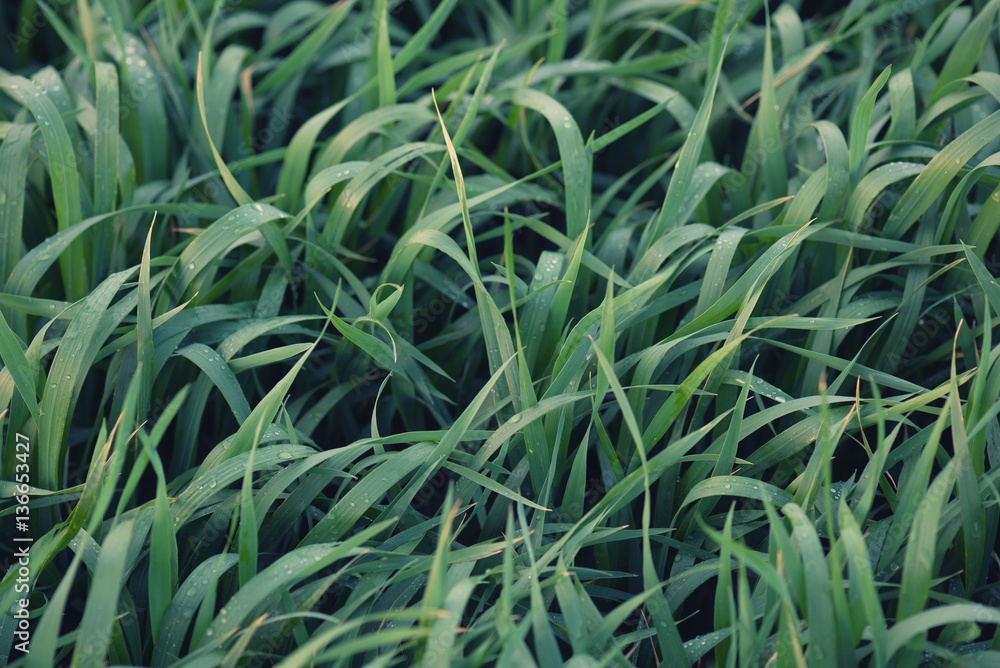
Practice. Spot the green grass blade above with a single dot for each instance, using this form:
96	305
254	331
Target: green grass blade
102	604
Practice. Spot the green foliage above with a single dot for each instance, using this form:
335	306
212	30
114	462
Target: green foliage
500	333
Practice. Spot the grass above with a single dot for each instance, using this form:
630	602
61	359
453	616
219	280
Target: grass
500	333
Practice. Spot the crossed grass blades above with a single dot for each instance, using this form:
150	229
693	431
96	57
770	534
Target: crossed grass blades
502	333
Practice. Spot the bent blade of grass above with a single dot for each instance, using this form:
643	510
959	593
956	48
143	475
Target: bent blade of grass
218	237
253	428
235	189
862	122
576	160
216	369
938	173
351	198
440	220
63	173
69	369
664	248
905	630
838	171
184	606
268	357
102	602
201	489
732	485
872	185
370	123
293	567
24	279
296	163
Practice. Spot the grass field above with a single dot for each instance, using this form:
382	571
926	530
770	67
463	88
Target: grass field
499	333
